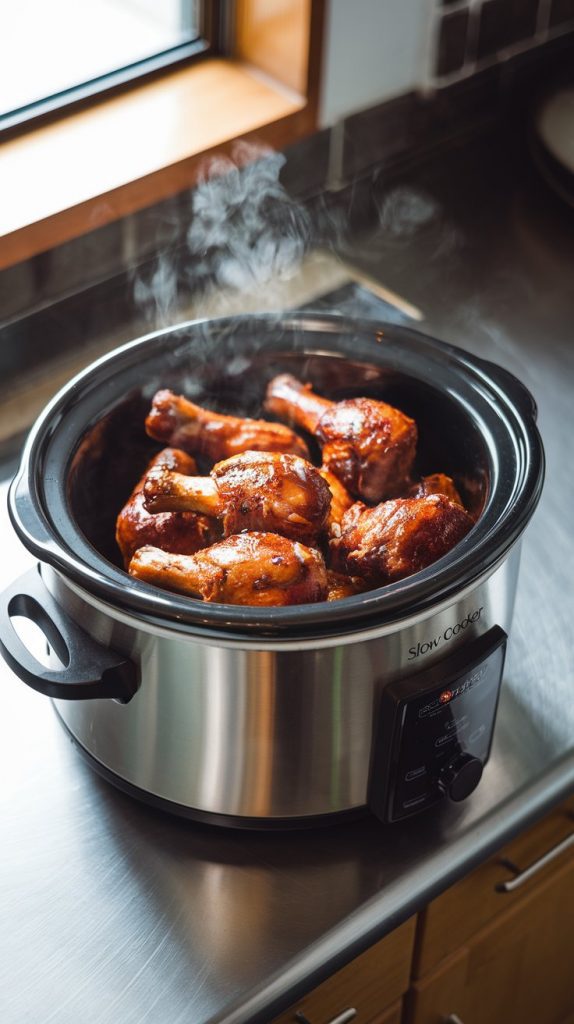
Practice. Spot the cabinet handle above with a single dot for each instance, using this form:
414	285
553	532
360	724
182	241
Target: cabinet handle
453	1018
341	1018
523	876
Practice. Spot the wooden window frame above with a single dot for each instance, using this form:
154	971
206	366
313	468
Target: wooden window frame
119	155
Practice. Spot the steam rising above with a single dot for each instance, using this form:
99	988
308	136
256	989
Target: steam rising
246	229
245	233
404	212
247	238
158	296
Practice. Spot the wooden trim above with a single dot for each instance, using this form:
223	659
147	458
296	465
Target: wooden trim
315	59
273	35
97	165
284	39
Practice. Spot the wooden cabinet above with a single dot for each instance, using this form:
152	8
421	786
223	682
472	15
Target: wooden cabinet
393	1015
488	954
495	948
477	900
518	969
372	984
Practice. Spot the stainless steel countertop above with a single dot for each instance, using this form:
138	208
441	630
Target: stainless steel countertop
111	911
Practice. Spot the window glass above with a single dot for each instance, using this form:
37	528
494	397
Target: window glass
50	46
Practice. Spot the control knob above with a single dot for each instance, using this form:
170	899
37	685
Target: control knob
460	777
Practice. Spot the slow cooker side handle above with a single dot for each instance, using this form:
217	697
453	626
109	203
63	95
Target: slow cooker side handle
509	384
90	670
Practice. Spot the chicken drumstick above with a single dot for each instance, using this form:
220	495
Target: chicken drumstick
436	483
184	532
252	491
398	537
341	585
177	421
248	568
368	444
341	500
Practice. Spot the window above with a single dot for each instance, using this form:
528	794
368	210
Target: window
54	53
106	160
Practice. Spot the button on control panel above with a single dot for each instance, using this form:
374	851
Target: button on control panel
435	730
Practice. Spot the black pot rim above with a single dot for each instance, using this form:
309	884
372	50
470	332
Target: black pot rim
490	394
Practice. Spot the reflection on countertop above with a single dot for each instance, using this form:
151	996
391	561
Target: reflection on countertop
116	911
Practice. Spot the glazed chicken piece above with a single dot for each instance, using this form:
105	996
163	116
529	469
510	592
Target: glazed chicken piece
398	537
254	491
183	532
177	421
341	500
369	445
248	568
436	483
341	585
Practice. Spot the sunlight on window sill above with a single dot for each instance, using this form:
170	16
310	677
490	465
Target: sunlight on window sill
69	177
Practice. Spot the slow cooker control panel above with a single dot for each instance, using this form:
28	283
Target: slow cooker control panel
435	730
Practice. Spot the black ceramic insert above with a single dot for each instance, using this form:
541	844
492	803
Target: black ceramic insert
476	422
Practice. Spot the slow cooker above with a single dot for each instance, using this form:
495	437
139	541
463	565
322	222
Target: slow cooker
275	717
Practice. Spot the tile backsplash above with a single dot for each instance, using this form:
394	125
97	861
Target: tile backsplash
474	34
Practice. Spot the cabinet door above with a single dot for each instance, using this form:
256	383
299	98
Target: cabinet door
371	985
393	1015
444	926
519	969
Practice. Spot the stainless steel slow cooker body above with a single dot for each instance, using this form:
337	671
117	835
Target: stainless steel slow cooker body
241	715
